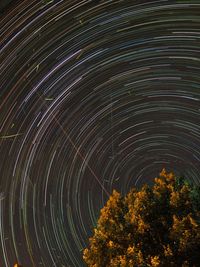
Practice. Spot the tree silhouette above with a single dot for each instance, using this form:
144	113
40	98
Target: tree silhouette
154	226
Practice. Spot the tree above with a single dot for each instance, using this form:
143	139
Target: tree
154	226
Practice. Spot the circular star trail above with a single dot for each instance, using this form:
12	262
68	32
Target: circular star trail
95	96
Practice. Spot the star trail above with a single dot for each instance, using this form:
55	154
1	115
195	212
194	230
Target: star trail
94	96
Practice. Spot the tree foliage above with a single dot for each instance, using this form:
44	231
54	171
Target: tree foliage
154	226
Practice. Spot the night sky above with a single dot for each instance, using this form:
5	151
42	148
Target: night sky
94	96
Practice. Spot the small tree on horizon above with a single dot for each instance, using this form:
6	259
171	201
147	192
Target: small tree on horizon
153	226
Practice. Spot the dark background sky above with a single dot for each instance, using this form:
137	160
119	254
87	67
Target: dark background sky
4	4
95	96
